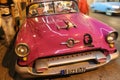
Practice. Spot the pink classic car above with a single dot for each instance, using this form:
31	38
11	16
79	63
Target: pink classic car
56	39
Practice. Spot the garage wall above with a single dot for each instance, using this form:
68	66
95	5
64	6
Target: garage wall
90	1
3	1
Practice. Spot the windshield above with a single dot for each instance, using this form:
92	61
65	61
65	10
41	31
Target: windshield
113	0
53	7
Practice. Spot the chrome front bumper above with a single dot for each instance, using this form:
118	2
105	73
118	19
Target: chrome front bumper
58	66
115	11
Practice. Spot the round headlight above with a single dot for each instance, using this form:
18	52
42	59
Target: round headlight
112	37
22	50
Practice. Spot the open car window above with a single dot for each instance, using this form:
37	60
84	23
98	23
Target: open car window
53	7
65	6
41	9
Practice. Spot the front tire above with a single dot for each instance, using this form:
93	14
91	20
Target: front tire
93	10
109	13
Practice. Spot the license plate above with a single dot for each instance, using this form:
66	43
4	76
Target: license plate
73	71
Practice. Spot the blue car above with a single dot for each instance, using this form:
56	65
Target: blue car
108	7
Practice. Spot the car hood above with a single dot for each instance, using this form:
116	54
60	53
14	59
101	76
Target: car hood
48	35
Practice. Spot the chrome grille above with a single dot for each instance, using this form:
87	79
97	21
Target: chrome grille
68	59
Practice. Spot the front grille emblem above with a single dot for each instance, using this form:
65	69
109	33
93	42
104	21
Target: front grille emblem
70	42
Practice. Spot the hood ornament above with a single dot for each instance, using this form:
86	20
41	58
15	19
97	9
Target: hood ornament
68	25
70	42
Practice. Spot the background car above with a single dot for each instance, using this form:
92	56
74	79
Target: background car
56	39
108	7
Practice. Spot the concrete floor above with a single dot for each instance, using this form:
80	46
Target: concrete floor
110	71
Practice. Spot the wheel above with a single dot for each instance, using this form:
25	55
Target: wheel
93	9
109	13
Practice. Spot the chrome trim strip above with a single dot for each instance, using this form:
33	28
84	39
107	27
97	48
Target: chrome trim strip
114	56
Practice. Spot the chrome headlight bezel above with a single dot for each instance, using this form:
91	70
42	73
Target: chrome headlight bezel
111	37
22	50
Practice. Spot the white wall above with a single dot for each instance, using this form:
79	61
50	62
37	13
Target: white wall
90	1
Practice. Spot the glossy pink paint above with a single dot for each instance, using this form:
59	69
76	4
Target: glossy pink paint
44	38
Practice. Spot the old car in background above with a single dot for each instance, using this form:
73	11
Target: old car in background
56	39
108	7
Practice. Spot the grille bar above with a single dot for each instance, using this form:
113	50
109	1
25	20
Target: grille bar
68	59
